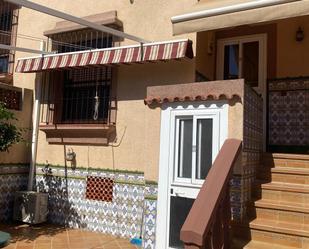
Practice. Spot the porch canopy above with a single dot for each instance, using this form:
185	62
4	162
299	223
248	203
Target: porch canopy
214	15
148	52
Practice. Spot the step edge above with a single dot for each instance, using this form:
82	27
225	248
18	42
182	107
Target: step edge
286	156
261	244
275	228
289	187
281	206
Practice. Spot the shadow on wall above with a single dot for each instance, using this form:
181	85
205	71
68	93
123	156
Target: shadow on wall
61	210
132	81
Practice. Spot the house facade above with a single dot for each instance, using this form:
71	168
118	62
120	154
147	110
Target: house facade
127	131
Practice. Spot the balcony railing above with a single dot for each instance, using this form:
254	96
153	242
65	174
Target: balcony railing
208	224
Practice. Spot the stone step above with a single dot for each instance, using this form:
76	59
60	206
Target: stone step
286	160
272	232
284	192
282	233
281	211
284	174
264	245
244	244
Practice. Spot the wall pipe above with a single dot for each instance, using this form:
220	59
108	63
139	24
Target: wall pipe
35	127
228	9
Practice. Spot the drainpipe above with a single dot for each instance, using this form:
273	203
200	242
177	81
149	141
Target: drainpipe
35	127
228	9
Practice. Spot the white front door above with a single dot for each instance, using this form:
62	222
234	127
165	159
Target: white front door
195	135
243	57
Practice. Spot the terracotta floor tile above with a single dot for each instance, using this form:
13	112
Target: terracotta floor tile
56	237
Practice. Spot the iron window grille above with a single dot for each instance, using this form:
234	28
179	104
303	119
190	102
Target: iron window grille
78	95
8	33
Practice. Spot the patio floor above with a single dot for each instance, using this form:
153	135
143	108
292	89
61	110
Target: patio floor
56	237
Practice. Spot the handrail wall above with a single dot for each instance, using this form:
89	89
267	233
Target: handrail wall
207	225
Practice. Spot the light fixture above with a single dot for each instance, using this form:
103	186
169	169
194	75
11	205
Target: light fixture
299	34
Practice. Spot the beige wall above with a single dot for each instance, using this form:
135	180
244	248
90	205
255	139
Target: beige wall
21	152
147	19
290	58
138	126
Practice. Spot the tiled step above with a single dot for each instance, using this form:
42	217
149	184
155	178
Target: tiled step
284	174
272	232
284	192
265	245
282	211
241	244
283	228
286	160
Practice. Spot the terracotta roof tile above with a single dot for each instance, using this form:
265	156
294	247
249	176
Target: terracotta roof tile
201	91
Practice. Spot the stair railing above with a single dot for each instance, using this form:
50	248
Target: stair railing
208	224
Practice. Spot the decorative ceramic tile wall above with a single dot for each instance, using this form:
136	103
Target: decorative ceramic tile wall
131	213
150	214
241	184
12	178
289	112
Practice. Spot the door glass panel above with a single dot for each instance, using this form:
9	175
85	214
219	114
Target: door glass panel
231	59
179	211
251	63
185	148
204	136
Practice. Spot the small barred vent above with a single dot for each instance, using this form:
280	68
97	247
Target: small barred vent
11	98
99	188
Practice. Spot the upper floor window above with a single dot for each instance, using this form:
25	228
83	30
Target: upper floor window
8	32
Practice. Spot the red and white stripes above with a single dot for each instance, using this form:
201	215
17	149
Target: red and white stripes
120	55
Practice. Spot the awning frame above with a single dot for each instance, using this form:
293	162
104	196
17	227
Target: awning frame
244	17
157	51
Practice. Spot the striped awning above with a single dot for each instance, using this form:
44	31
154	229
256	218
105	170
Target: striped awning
149	52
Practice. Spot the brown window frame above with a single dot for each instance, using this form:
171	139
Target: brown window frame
8	33
78	126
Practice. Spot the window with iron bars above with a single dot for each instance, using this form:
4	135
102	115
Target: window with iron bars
8	32
85	93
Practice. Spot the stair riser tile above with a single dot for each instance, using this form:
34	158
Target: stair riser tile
285	196
290	178
283	177
266	214
281	162
282	216
276	238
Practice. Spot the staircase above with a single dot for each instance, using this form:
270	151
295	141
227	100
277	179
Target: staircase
279	218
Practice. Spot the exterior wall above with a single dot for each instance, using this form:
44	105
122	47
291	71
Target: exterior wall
292	57
131	212
20	153
286	57
152	20
245	174
288	114
138	127
134	120
13	177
